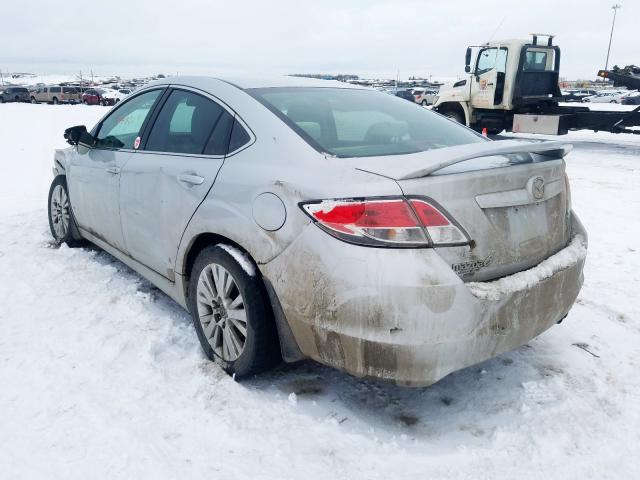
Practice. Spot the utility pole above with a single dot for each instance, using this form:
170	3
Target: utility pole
615	10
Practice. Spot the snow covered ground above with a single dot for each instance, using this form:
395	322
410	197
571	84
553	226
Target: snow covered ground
101	375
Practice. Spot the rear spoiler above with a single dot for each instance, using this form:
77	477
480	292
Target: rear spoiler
425	163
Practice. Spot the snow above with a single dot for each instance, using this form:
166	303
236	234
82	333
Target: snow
101	375
240	257
567	257
50	79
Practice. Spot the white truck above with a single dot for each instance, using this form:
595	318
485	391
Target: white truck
513	85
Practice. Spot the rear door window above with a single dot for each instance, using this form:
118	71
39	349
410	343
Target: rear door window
219	141
185	124
239	137
123	125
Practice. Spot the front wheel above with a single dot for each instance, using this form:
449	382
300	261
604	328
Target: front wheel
455	116
61	222
231	312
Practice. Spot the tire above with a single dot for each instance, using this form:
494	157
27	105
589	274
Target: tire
1	99
85	102
61	222
33	100
55	101
423	103
455	116
219	328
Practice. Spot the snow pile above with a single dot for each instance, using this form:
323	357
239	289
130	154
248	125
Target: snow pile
573	253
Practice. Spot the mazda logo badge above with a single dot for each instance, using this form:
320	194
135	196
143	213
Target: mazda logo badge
537	188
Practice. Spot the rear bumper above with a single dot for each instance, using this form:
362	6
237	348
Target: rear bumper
403	315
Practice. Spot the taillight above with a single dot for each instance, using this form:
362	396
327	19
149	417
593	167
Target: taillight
392	222
440	229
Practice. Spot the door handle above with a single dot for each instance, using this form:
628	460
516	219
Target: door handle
113	170
190	179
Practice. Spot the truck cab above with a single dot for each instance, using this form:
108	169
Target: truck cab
503	78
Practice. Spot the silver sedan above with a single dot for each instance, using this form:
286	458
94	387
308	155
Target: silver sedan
299	218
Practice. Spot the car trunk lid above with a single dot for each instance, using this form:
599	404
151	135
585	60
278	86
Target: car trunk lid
509	197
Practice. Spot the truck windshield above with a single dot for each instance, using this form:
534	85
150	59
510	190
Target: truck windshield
349	122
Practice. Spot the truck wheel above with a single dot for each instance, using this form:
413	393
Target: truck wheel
231	313
61	222
455	116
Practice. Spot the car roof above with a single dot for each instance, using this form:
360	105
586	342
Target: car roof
246	82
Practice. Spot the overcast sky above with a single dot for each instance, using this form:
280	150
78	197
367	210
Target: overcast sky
364	37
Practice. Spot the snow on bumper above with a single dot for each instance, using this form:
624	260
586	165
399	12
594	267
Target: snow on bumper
573	253
404	315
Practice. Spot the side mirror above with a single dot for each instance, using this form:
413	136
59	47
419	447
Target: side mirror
78	134
467	60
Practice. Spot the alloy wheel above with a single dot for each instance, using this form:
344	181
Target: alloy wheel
60	212
221	312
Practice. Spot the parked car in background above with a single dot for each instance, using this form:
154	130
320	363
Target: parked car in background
93	96
83	88
606	96
324	243
55	94
577	94
405	93
424	96
111	97
14	94
632	98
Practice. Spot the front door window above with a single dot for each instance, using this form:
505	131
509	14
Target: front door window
123	125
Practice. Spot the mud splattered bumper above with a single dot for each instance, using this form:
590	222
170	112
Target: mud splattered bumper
404	315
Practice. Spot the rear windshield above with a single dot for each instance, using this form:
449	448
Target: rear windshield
361	123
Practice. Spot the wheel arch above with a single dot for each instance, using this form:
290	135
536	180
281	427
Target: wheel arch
199	243
289	348
457	107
